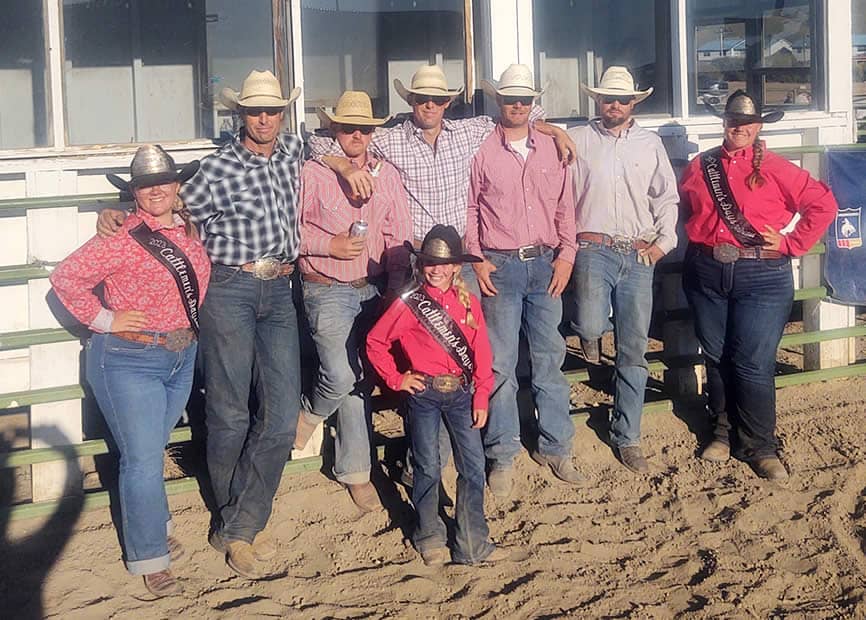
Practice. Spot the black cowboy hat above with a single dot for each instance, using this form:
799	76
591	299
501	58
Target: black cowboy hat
742	109
442	246
151	165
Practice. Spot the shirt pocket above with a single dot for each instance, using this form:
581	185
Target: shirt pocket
548	181
247	202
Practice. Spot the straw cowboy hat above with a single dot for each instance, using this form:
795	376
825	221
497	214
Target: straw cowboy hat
150	166
742	109
353	108
261	89
515	81
427	80
442	246
617	81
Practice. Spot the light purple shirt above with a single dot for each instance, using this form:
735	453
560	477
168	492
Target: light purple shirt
624	186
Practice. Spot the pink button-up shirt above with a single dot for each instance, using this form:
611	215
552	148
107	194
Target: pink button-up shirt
327	211
513	203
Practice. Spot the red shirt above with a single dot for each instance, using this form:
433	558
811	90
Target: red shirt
425	355
513	203
134	280
787	189
327	211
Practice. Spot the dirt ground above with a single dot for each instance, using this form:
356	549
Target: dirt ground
692	539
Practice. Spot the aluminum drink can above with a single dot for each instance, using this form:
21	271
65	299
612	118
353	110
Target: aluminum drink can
358	229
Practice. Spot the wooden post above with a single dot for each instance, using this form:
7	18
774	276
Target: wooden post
684	377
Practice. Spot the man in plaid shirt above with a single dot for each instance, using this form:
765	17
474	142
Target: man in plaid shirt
244	200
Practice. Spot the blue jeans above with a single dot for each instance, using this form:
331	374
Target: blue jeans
426	410
249	337
142	390
603	279
523	303
339	318
740	311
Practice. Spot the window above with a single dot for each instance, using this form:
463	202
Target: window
23	76
576	40
149	70
767	47
858	53
366	44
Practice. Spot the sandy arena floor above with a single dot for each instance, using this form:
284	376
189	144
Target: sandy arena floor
692	539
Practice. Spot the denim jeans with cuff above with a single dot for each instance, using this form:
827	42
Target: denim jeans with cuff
142	390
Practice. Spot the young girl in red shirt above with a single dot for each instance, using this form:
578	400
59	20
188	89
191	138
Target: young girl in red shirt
441	331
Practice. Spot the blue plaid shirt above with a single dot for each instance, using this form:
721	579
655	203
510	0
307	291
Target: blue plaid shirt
245	205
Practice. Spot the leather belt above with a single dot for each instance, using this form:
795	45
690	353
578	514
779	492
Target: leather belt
623	245
728	253
175	340
269	268
320	279
525	253
446	383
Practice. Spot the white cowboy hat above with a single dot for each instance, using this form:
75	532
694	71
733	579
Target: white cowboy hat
427	80
515	81
261	89
353	108
617	81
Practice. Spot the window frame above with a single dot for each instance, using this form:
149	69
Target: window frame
817	69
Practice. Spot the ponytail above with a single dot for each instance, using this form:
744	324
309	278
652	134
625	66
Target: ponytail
756	179
465	299
188	227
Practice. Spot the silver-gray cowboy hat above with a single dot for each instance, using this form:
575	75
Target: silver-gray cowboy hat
742	109
151	165
442	246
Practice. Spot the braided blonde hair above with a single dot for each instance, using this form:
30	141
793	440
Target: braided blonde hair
181	210
756	179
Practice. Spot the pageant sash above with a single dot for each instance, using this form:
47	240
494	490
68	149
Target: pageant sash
723	198
443	328
176	262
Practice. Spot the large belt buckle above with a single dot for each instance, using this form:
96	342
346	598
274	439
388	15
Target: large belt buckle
445	383
622	245
267	268
527	252
178	340
726	253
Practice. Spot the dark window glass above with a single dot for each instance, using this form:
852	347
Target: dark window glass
149	70
23	75
576	40
768	47
366	44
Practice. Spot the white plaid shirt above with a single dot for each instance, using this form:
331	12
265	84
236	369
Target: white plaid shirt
436	178
245	205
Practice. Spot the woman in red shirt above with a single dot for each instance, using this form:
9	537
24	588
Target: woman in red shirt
737	275
140	360
441	331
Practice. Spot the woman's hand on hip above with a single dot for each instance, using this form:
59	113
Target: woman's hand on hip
129	321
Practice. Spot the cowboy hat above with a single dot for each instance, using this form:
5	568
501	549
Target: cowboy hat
617	81
427	80
742	109
441	246
150	166
353	108
260	90
515	81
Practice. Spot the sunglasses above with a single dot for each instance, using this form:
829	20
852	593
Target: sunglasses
514	100
350	129
424	99
622	100
258	111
